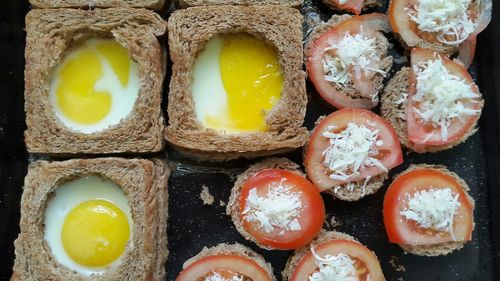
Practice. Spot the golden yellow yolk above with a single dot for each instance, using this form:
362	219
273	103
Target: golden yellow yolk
76	96
95	233
252	77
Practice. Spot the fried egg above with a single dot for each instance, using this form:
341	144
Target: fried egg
88	224
237	79
94	86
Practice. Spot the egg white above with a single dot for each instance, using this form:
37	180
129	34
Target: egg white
122	98
69	195
209	94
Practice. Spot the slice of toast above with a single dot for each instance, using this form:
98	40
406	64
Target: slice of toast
298	254
191	3
50	32
148	4
145	184
233	206
442	248
366	5
233	249
348	89
189	30
393	109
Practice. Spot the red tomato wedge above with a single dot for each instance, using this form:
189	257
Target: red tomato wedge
405	232
352	6
311	214
412	36
390	152
366	261
223	264
423	133
370	24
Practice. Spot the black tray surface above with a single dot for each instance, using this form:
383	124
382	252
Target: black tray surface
193	225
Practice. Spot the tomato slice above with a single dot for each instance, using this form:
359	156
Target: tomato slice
311	214
405	232
390	156
366	260
423	133
223	264
352	6
370	24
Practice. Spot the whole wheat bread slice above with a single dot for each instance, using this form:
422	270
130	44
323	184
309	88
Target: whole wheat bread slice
393	109
50	32
189	30
441	248
148	4
366	5
298	254
348	89
233	207
191	3
357	190
233	249
145	184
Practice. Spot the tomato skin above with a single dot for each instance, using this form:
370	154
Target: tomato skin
306	266
234	263
370	23
317	173
418	130
311	217
400	231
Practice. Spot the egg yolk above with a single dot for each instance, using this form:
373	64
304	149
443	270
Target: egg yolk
77	95
95	233
252	78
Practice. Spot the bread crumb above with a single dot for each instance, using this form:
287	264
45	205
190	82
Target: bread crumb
205	196
397	267
221	203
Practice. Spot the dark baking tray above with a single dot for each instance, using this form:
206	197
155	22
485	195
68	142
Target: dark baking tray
193	225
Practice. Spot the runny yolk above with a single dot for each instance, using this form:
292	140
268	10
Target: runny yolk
252	78
95	233
77	95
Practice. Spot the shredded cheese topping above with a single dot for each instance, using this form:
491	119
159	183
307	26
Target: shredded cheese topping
434	208
217	277
334	268
351	150
447	18
358	52
279	208
440	96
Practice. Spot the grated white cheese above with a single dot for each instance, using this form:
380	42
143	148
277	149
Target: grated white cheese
447	18
433	208
440	95
279	208
350	150
334	268
217	277
357	51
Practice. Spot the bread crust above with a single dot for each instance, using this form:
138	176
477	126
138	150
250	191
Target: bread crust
348	89
148	4
50	32
145	184
393	109
298	254
191	3
441	248
189	29
233	249
233	206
